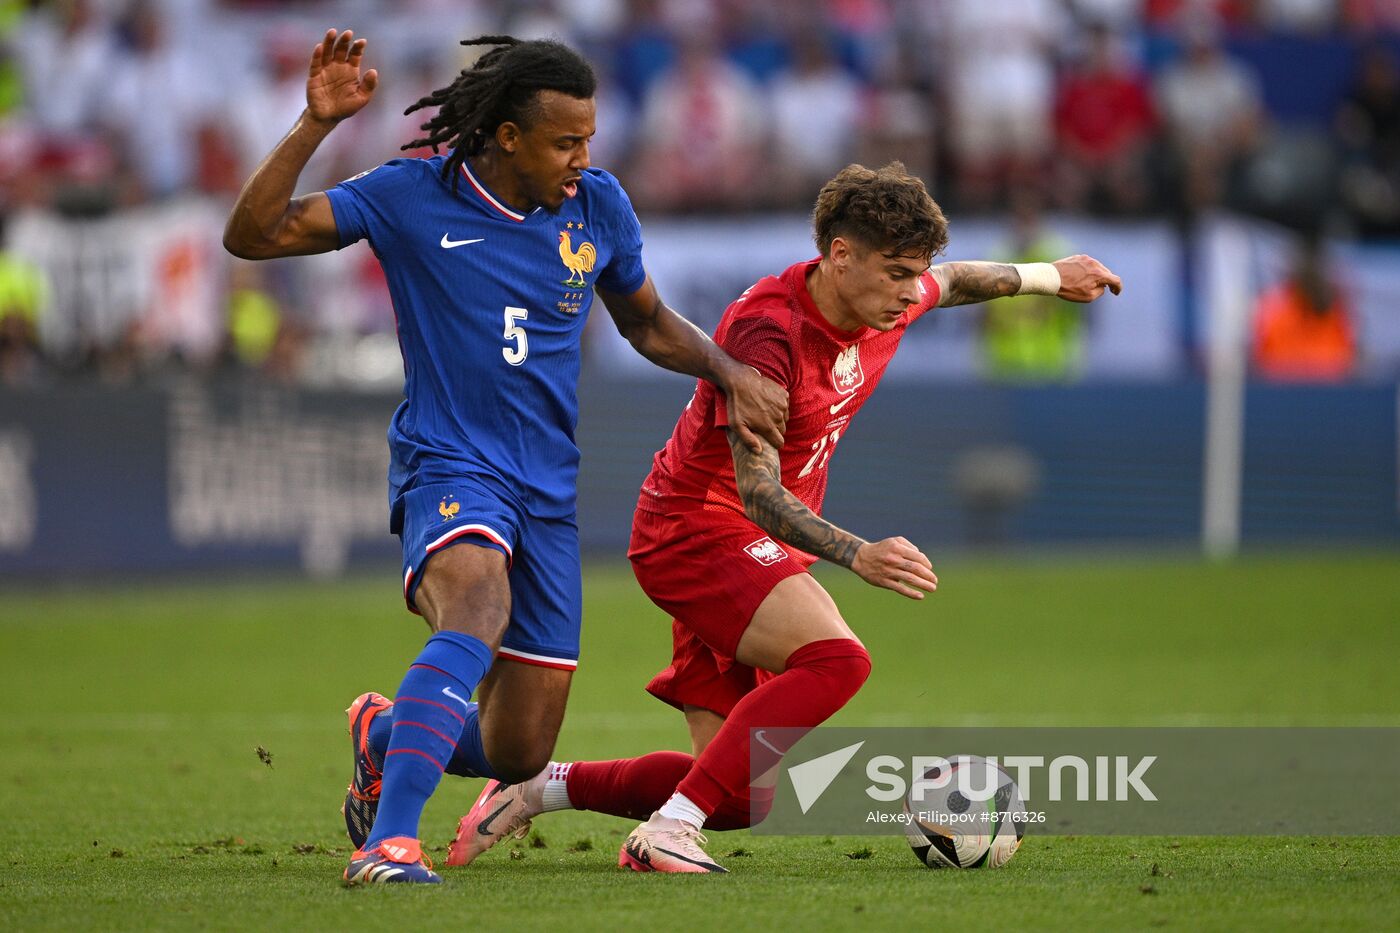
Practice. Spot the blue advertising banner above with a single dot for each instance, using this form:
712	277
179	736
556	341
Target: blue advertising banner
230	475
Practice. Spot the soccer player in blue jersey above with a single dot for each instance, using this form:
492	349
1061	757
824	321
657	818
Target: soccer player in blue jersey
492	253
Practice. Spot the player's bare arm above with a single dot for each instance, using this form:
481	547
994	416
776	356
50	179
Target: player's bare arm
757	406
266	222
1080	278
893	563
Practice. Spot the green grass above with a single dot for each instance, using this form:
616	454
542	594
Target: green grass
134	798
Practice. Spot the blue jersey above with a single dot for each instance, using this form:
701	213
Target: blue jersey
491	304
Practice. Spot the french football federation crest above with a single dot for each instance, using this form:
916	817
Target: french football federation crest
577	261
449	510
846	374
766	551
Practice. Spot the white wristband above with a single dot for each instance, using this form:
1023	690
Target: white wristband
1038	278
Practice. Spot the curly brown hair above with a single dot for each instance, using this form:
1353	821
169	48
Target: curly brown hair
886	209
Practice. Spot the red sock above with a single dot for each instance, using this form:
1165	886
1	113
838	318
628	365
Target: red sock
748	809
629	787
819	679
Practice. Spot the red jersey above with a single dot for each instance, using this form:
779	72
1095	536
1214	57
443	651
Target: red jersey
776	328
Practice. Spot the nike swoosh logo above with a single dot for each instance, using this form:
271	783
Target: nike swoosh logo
448	692
708	866
758	736
448	244
484	827
842	404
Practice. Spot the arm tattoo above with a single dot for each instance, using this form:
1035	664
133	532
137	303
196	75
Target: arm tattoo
971	282
778	512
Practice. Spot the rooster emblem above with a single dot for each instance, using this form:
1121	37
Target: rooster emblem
576	262
448	510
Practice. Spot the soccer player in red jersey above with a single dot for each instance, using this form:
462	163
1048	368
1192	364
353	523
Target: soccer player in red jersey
723	536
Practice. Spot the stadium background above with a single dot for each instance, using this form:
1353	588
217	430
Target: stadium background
186	438
215	413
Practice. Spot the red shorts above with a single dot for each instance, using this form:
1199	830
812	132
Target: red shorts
710	572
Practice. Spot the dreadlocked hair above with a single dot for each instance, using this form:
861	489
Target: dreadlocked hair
499	88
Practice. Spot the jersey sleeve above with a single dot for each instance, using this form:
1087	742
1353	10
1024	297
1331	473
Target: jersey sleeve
760	341
929	296
364	206
624	273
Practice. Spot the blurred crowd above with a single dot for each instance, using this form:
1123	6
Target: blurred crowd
1106	107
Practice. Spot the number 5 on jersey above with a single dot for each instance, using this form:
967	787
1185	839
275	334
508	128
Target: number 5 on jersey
515	354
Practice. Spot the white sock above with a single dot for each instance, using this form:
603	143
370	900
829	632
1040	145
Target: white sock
556	787
681	807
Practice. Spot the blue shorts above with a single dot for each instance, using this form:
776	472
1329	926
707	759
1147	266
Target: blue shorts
546	590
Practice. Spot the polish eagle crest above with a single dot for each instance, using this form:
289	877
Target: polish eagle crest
846	374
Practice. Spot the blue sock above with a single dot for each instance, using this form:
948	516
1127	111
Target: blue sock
380	728
429	713
468	759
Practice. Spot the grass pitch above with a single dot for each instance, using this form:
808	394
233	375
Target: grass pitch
135	797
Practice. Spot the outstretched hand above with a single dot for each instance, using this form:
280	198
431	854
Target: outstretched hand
1083	279
335	89
896	564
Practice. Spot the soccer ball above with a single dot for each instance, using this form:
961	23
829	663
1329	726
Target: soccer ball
966	813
